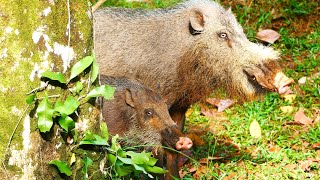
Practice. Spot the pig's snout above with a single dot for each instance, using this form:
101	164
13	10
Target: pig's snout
282	83
184	143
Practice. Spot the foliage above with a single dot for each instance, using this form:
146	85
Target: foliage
62	166
121	163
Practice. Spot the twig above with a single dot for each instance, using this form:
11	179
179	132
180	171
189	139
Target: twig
52	96
16	127
97	5
41	88
69	24
9	143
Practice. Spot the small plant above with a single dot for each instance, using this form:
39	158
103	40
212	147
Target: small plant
121	162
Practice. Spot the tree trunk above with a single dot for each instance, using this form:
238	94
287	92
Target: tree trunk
35	37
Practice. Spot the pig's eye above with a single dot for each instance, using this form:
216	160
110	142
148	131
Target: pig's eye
223	35
149	112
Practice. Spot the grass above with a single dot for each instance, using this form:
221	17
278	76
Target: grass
283	148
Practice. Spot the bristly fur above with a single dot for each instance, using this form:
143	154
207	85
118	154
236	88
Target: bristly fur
156	47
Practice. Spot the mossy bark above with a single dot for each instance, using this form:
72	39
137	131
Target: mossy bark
34	37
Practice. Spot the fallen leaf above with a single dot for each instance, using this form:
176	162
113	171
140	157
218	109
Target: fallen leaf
302	118
210	158
305	165
274	149
290	166
192	169
276	13
210	113
182	173
255	130
268	35
222	104
289	97
202	170
316	146
287	109
302	80
292	123
230	176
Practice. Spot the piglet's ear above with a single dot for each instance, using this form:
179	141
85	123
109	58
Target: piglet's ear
128	98
197	22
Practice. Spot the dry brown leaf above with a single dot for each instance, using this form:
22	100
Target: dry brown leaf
202	170
305	165
230	176
275	149
210	113
268	35
222	104
192	169
182	173
290	166
292	123
302	118
255	130
287	109
316	146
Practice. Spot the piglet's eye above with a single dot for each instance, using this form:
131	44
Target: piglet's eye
149	112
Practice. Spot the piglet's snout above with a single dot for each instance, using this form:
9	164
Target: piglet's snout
184	143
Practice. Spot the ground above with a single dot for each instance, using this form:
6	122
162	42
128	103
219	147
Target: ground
287	149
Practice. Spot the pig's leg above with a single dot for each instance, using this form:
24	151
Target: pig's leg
178	115
172	166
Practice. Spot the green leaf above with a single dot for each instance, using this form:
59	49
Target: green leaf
44	113
87	162
30	98
114	144
124	170
56	76
139	168
79	87
112	158
66	123
62	166
138	158
104	130
154	169
75	135
80	66
126	160
94	139
69	106
94	71
105	90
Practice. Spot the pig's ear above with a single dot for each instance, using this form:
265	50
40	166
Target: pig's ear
197	22
128	98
